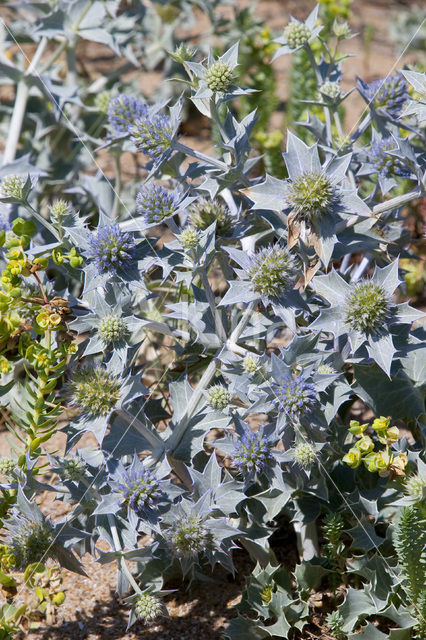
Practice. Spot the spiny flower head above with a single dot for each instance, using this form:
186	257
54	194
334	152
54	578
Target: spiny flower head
252	453
188	536
156	203
73	468
386	164
311	194
147	607
218	397
189	238
389	93
204	212
251	364
102	101
272	271
414	487
95	391
123	111
7	467
296	34
140	490
29	541
367	307
12	186
331	90
295	396
152	135
112	328
325	369
219	76
111	249
304	454
59	210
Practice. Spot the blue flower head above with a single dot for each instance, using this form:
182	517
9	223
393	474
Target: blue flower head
152	134
295	396
111	249
156	203
386	164
140	490
125	110
252	453
389	93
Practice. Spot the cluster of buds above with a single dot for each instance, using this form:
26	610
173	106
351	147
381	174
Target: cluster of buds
383	461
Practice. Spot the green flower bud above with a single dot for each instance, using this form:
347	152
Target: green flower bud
112	328
341	30
311	195
367	307
251	364
272	271
331	91
304	454
188	537
102	101
189	238
352	458
182	53
12	187
296	34
415	487
59	210
7	467
219	76
147	607
95	390
204	212
325	369
218	397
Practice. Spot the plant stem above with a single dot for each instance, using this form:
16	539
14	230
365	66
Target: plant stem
388	205
153	438
122	562
221	333
42	220
307	540
201	156
19	108
117	187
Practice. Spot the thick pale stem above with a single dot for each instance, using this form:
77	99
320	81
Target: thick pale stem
117	187
213	162
122	562
154	440
388	205
22	93
307	540
213	308
361	268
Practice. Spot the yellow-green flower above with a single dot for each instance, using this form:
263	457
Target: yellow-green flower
365	445
379	461
353	458
356	428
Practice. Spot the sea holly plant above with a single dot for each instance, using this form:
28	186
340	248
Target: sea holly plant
364	312
229	356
